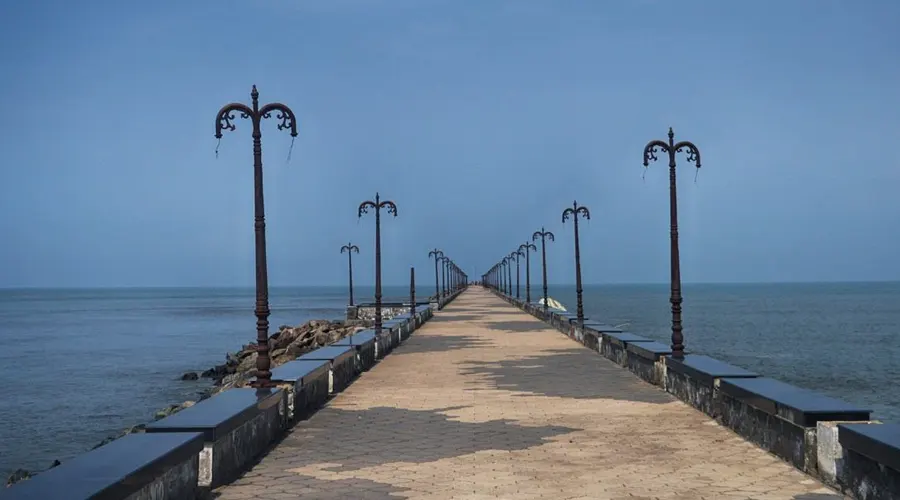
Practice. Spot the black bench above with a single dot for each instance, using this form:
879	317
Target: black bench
237	425
133	464
366	348
309	385
694	379
342	359
781	418
871	460
643	360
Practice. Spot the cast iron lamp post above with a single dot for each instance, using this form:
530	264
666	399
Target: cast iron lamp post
516	255
444	261
503	276
350	248
693	156
509	260
544	236
527	246
436	254
392	210
574	212
412	295
225	121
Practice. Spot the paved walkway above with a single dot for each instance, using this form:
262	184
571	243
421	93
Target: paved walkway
486	402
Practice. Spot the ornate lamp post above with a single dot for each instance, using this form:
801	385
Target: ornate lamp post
527	246
515	255
509	260
444	261
574	212
544	236
693	156
503	276
225	121
350	248
364	209
436	254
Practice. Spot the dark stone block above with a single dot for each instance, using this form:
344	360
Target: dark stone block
366	351
644	365
624	338
878	442
119	469
705	369
792	443
220	414
343	364
692	379
310	384
794	404
601	327
651	351
300	370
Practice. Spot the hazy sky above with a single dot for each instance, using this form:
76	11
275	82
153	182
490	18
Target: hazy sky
482	120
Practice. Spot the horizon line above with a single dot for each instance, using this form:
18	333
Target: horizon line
533	285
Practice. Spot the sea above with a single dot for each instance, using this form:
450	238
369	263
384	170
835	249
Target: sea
79	365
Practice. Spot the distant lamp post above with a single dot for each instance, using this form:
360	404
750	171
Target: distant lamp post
544	236
527	246
515	255
225	121
350	248
436	254
693	156
392	210
412	295
509	260
574	212
444	261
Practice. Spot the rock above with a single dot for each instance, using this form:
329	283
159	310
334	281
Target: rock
18	475
190	376
54	464
172	409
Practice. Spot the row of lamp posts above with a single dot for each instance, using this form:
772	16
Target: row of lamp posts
499	276
225	121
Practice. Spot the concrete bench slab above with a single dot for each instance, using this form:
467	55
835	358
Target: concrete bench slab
366	348
342	359
695	380
133	467
869	465
309	385
781	418
237	425
645	360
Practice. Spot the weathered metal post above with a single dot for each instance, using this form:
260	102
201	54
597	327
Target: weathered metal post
225	121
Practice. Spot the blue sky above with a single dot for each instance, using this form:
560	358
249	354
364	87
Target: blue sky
482	120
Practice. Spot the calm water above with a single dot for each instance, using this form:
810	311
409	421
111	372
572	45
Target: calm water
79	365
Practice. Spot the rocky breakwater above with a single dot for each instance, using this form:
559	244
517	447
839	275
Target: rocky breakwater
239	368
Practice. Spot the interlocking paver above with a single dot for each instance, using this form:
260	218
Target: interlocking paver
487	402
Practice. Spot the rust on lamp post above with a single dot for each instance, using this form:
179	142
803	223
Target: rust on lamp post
693	156
527	246
225	121
350	248
436	254
544	236
391	208
574	212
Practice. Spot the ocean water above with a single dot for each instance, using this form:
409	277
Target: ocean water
840	339
79	365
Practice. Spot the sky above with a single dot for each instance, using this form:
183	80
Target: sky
482	120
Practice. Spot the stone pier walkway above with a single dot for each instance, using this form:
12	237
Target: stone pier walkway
486	402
